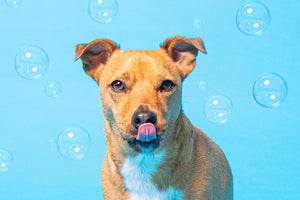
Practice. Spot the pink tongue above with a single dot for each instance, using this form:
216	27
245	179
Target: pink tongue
146	132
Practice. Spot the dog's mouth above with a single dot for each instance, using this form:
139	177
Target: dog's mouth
144	147
146	140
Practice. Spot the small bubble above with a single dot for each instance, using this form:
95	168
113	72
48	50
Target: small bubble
197	24
53	89
202	85
52	142
5	160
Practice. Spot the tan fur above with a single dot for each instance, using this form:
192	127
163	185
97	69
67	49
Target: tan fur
193	164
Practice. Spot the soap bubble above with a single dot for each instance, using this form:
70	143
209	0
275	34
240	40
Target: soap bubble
5	160
53	89
253	18
52	142
270	90
31	62
74	142
217	108
197	23
202	85
14	3
103	11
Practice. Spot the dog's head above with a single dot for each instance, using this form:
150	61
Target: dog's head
140	90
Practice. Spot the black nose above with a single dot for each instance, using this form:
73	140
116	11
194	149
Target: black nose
140	117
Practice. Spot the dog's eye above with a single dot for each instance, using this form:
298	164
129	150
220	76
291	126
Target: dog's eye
166	85
117	86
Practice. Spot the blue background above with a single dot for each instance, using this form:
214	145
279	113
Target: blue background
261	144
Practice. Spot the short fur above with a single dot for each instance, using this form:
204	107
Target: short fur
187	164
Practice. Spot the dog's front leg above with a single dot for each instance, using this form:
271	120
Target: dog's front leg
113	187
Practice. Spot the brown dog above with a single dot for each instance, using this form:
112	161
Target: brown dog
153	150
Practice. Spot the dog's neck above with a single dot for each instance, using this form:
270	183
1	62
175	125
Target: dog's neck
179	154
177	148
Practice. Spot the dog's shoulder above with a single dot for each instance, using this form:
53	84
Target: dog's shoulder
210	159
206	148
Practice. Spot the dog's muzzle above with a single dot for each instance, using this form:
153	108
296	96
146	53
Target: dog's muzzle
146	139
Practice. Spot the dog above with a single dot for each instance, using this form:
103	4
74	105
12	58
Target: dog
153	150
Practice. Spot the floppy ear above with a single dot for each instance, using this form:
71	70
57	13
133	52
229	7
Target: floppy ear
95	55
183	51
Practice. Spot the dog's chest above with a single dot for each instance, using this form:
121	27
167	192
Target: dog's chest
137	174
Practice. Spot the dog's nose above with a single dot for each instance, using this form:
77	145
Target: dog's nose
141	117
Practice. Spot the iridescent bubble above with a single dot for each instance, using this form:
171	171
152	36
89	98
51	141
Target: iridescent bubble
74	142
31	62
5	160
13	3
103	11
197	23
270	90
253	18
217	108
53	89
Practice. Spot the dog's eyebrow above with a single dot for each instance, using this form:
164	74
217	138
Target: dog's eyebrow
166	76
123	76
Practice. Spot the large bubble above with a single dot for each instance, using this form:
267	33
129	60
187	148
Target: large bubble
218	108
31	62
74	142
253	18
103	11
270	90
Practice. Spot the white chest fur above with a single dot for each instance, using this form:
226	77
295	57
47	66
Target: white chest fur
137	173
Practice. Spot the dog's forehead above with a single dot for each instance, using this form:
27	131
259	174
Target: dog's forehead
141	63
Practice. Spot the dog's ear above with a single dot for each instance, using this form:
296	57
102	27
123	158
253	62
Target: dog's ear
183	51
95	55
